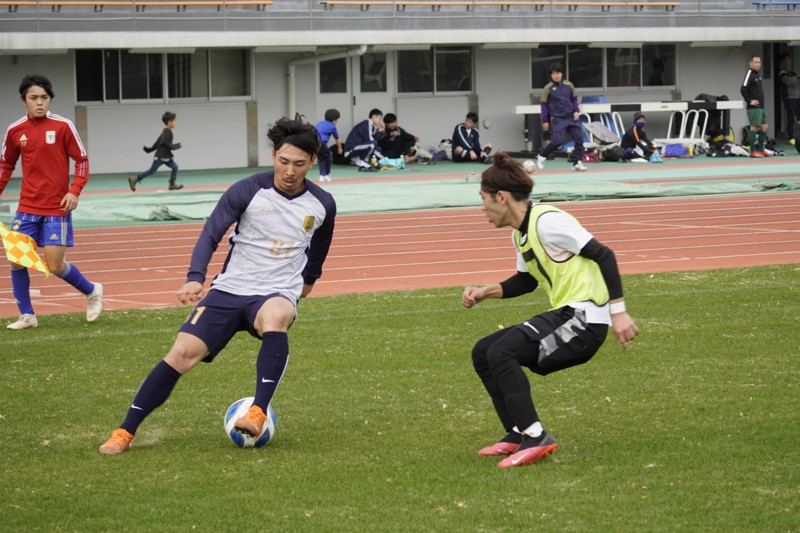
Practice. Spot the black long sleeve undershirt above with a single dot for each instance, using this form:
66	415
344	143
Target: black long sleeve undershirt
605	259
518	284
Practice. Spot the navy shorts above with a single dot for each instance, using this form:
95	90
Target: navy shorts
220	315
45	230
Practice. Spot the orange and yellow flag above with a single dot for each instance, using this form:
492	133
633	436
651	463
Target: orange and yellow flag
21	249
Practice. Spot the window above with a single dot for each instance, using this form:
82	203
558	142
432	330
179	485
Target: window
453	69
118	75
414	71
623	67
604	68
585	66
449	66
187	75
542	58
333	76
373	73
658	64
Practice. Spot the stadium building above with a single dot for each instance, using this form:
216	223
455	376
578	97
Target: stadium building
229	68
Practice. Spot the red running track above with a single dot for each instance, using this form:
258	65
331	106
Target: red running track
143	266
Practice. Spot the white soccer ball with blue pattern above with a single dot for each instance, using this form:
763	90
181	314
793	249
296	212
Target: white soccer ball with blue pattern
237	410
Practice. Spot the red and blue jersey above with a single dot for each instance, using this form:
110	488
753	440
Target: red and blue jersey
46	145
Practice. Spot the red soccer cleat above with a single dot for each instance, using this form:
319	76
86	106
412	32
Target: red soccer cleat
530	451
499	448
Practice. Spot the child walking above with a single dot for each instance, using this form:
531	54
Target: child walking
163	148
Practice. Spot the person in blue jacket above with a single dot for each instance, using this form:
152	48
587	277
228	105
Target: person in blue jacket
362	142
561	115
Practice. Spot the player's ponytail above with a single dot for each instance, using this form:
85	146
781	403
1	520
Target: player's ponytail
506	174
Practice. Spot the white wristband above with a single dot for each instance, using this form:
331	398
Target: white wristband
618	307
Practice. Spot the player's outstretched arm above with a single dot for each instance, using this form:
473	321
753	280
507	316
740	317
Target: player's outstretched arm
191	292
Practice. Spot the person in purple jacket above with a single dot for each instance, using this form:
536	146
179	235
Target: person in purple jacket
561	115
283	227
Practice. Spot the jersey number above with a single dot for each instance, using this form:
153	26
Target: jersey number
280	247
196	316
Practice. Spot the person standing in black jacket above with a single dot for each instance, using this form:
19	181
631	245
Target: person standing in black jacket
163	148
753	94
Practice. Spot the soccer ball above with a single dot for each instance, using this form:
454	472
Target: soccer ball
529	166
237	410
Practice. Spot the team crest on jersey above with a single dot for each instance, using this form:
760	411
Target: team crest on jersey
308	223
15	226
23	141
50	137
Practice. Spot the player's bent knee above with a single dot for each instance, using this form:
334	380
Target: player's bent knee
186	352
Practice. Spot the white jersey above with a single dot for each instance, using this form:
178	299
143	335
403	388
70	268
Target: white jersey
279	241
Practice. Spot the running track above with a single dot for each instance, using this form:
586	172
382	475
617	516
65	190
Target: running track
143	266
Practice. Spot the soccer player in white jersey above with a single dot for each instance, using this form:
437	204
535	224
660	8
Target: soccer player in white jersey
582	282
283	227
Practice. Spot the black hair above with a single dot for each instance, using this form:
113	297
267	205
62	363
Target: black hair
332	114
506	174
555	67
295	133
637	116
389	118
167	116
38	80
784	56
472	116
375	111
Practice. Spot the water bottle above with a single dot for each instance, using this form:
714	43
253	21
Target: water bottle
373	161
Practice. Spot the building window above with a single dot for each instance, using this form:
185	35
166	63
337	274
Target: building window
541	59
118	75
187	75
453	68
449	66
658	64
373	73
333	76
623	68
650	65
585	66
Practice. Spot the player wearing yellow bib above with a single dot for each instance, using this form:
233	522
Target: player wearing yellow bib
582	282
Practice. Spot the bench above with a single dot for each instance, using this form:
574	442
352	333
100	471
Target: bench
604	6
14	4
435	5
639	6
181	5
765	5
98	5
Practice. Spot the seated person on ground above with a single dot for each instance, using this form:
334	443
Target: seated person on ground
397	142
467	142
635	141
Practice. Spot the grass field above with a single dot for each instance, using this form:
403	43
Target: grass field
695	428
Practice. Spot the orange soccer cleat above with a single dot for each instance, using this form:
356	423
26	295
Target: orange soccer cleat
119	442
253	422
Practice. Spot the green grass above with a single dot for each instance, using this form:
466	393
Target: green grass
694	428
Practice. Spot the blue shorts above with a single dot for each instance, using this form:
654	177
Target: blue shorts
220	315
45	230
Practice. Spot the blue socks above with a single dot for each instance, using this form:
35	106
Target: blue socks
154	391
21	285
270	365
74	277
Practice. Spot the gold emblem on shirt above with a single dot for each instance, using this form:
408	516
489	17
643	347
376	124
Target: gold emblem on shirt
308	223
